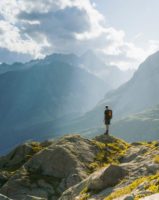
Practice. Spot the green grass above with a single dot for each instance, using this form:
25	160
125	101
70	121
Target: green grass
151	185
84	195
36	146
108	153
156	159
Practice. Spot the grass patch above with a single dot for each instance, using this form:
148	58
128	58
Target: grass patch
84	195
36	146
108	153
151	184
156	159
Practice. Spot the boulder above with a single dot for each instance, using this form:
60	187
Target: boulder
60	165
66	159
152	168
22	184
102	179
16	158
108	177
4	176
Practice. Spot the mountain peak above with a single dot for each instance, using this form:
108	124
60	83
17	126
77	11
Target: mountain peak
150	64
61	57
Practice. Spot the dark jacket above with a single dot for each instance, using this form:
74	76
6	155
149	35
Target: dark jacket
108	114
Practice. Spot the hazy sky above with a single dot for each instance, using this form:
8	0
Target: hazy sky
122	32
137	18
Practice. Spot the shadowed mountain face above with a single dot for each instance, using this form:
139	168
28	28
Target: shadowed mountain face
45	92
138	94
38	98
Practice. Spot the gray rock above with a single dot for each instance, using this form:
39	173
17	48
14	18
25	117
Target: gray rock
99	180
50	172
28	197
129	198
108	177
20	185
16	158
105	139
152	168
4	176
67	158
2	197
151	197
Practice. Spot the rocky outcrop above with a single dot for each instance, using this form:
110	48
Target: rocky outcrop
54	169
98	181
16	158
75	168
4	176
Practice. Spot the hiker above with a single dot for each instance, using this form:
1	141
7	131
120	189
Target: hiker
108	114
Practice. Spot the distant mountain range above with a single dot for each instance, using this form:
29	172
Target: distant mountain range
45	92
110	74
137	95
89	61
39	97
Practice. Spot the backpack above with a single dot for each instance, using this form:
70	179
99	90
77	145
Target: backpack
108	114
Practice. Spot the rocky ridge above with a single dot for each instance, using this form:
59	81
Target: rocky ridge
76	168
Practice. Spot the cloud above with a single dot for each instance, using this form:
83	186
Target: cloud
38	28
61	24
11	39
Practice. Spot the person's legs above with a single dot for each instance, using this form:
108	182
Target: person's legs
107	129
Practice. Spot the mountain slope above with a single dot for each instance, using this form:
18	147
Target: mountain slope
140	126
103	168
44	93
138	94
112	75
40	97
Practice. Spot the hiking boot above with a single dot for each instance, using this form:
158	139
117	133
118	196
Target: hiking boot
106	133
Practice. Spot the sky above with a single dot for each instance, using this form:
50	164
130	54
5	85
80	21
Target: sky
122	32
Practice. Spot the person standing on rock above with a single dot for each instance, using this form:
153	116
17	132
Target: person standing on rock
108	114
